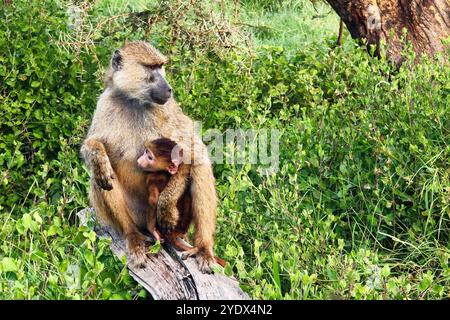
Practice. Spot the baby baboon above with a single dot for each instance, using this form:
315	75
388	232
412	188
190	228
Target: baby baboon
158	161
162	159
137	106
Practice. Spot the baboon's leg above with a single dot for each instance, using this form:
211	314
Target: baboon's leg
151	216
107	198
185	208
204	205
111	207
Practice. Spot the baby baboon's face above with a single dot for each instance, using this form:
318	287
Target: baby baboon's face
138	72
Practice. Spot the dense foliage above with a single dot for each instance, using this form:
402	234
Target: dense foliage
359	207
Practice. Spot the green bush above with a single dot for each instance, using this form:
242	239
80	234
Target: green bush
359	208
47	97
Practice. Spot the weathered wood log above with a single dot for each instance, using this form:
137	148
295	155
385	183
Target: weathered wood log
166	276
427	22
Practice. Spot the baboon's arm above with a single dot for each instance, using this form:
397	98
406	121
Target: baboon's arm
204	205
167	211
94	154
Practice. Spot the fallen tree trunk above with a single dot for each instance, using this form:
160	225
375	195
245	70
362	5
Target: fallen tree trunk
166	276
427	22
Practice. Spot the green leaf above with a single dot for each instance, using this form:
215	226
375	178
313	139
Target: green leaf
276	273
19	227
26	220
424	284
52	231
37	217
89	256
155	248
386	271
9	265
218	269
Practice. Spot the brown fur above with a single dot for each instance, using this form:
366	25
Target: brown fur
162	148
122	122
156	182
141	53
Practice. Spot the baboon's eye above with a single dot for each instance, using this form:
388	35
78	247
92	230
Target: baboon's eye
153	66
149	155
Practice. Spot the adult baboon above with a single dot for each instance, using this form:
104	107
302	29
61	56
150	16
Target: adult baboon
137	106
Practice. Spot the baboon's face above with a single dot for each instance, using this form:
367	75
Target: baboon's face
151	162
138	72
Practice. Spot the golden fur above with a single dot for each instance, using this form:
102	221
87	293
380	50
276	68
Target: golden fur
123	121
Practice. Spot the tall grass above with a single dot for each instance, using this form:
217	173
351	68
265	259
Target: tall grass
291	24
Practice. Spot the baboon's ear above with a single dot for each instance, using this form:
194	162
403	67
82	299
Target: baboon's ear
177	154
116	61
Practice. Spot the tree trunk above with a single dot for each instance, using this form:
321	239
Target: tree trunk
166	276
427	22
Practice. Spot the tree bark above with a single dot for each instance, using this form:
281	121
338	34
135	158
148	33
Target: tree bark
166	276
427	22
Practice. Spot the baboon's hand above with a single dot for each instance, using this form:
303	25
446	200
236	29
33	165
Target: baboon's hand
103	176
167	218
96	157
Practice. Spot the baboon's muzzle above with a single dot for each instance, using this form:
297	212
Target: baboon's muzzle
162	92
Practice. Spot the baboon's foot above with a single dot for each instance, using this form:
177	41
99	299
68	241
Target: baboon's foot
136	247
189	253
204	258
205	262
